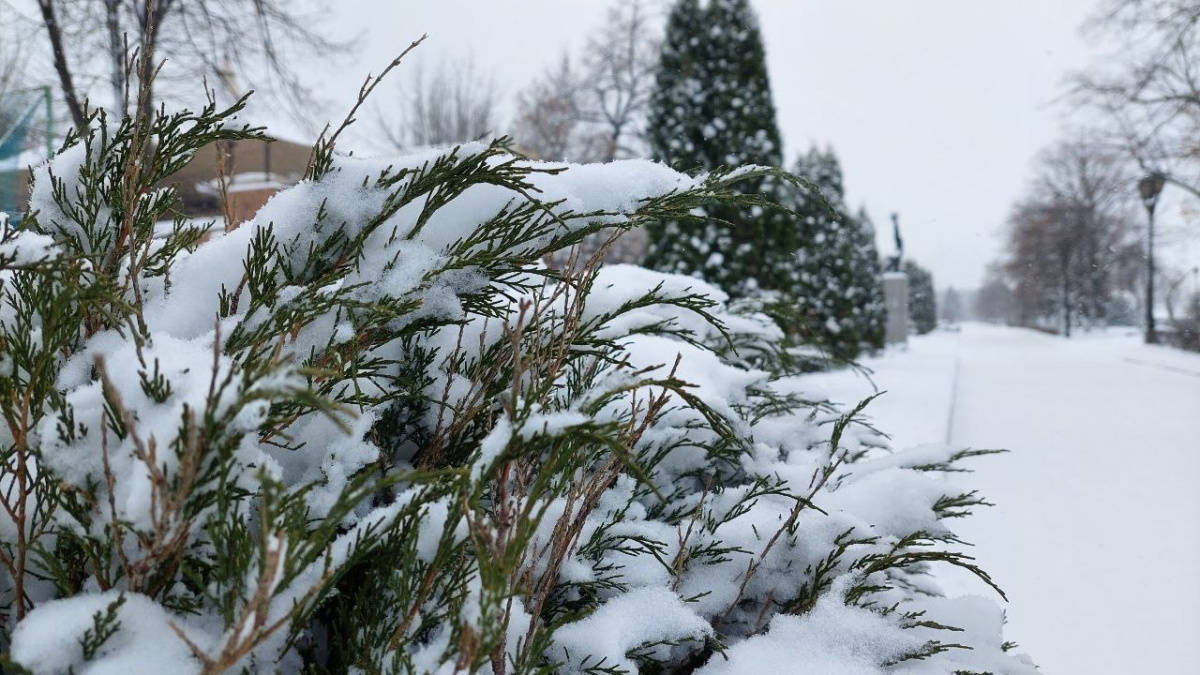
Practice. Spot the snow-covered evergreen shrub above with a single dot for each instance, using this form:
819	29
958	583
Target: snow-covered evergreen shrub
368	432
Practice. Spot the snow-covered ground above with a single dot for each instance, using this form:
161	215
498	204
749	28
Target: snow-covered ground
1096	532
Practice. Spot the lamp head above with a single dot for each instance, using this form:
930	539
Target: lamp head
1150	187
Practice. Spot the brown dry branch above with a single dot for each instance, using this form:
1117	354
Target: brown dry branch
583	494
680	559
20	428
253	624
328	140
110	484
164	546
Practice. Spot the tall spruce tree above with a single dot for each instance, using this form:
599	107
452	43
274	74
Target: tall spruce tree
922	302
839	296
712	108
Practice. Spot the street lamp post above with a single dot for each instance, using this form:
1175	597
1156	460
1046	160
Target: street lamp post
1150	187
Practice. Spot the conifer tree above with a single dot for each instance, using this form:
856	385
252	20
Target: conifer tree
922	303
868	274
679	94
839	296
712	109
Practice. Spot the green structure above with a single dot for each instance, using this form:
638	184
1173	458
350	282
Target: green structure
20	112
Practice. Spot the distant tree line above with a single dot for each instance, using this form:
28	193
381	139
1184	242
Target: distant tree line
1073	255
1076	253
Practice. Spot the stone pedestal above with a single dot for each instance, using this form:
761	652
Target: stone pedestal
895	296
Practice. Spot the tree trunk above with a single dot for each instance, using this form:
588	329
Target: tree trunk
1066	293
153	13
65	81
116	54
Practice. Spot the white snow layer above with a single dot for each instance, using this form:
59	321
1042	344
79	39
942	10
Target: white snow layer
1097	491
49	639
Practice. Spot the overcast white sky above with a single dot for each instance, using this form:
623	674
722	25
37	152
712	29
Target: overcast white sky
936	107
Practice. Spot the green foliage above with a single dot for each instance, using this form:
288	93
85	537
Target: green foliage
104	625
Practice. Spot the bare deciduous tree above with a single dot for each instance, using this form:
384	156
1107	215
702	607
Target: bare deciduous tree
262	39
596	113
454	103
549	123
1064	236
621	62
1149	88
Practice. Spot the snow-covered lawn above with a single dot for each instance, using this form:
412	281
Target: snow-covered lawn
1096	532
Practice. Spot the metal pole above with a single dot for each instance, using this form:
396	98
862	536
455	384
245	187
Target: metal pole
1151	333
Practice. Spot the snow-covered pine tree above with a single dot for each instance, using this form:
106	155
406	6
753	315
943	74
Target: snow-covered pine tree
839	294
822	263
922	299
679	97
713	108
740	126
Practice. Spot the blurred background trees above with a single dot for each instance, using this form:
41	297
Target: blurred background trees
235	44
1067	237
994	301
952	309
1076	244
549	122
593	108
621	64
450	103
682	82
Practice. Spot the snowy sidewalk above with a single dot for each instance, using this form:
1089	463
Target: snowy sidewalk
919	384
1096	532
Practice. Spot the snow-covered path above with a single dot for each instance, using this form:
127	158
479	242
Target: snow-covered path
1096	532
